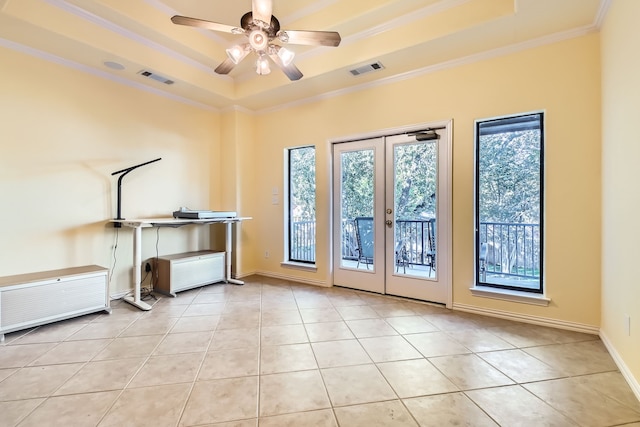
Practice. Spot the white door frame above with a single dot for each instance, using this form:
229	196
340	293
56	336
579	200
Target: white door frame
447	202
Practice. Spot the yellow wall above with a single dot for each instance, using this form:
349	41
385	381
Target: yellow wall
563	79
63	133
621	201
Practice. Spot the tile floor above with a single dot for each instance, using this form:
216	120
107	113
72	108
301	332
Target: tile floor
272	353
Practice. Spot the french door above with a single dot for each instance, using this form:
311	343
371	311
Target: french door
391	214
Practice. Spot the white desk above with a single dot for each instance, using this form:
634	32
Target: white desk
139	224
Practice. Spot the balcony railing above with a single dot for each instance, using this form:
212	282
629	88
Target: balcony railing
511	249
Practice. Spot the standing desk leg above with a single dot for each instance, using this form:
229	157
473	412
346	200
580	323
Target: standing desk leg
228	236
137	275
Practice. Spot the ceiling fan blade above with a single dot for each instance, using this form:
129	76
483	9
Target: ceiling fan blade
207	25
290	70
261	10
312	38
225	67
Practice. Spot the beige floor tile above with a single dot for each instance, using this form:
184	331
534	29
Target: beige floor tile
329	331
451	322
166	310
520	366
453	409
412	378
187	342
367	328
233	363
122	313
17	356
389	414
240	304
280	317
394	309
346	300
253	422
288	304
468	371
357	312
352	385
210	309
4	373
291	392
71	352
322	418
101	376
100	331
170	369
54	332
478	340
210	297
37	381
581	358
239	321
310	301
145	326
388	349
318	315
196	324
286	358
524	335
283	334
613	385
340	353
582	403
432	344
15	411
158	406
513	405
181	298
126	347
74	410
227	339
410	324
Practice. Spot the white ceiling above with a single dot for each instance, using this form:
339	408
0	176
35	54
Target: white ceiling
406	36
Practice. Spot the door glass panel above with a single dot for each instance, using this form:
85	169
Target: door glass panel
357	208
415	208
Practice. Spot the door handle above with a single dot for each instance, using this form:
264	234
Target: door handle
389	222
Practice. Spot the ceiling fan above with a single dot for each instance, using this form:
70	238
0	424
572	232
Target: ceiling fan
262	29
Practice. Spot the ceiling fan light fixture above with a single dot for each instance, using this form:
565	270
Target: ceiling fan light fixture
237	53
262	66
258	40
286	56
283	36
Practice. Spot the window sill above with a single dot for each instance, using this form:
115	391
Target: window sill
509	295
299	266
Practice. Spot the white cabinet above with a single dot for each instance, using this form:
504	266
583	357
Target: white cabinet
33	299
189	270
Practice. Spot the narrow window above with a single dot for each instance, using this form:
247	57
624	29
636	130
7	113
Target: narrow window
509	202
302	205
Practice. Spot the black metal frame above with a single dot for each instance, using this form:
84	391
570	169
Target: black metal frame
289	207
500	125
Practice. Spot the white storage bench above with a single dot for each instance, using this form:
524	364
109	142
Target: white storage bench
189	270
28	300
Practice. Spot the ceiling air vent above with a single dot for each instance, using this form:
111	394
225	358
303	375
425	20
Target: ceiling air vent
376	66
156	77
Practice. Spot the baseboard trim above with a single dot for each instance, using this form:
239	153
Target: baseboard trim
293	278
526	318
624	369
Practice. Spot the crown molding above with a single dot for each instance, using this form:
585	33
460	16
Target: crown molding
470	59
603	10
108	25
100	73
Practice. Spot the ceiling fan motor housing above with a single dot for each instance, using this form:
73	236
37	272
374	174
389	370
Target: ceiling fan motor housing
258	40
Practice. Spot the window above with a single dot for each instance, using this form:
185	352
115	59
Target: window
302	205
509	202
